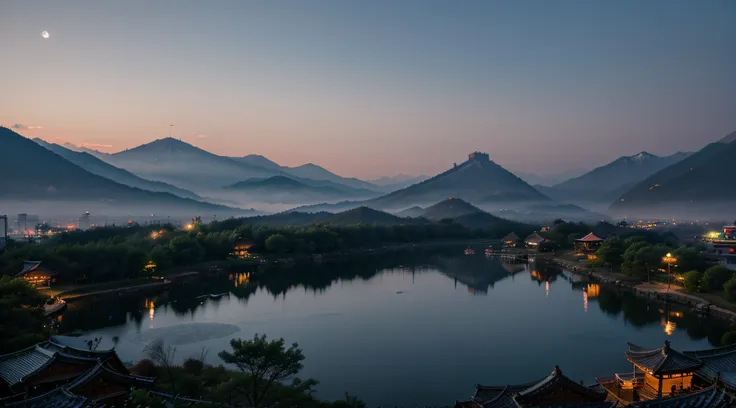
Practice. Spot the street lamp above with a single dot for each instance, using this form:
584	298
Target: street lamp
669	260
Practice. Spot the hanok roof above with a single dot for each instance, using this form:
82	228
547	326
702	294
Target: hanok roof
17	366
662	360
590	238
535	238
554	384
717	363
529	395
711	397
511	237
102	371
58	398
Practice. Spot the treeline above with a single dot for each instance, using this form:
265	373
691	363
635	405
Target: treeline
645	256
110	253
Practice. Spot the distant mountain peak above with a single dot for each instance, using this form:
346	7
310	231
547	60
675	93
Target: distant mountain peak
641	156
729	139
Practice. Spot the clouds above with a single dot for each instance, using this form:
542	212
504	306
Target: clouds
200	135
19	126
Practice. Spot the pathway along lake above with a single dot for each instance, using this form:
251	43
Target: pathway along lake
414	329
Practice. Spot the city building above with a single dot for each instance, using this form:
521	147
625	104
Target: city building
27	223
723	247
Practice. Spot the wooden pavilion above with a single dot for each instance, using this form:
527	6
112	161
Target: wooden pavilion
657	373
534	241
38	276
510	241
588	244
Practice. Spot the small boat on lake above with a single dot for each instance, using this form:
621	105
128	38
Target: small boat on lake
469	251
217	295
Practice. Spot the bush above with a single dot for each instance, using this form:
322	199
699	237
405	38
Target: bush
730	289
715	277
193	366
145	368
692	281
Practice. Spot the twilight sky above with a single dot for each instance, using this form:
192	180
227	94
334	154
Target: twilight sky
375	87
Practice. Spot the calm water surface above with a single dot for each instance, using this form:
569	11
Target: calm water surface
410	330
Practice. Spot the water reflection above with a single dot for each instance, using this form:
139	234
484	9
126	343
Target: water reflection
477	273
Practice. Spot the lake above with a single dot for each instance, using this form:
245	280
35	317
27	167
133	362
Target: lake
413	329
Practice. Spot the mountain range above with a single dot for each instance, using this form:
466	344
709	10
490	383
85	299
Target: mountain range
608	182
99	167
36	175
290	189
697	185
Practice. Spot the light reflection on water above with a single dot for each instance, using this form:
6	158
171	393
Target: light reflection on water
411	330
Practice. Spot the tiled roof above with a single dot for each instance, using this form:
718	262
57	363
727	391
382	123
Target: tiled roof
717	362
58	398
662	360
590	238
498	397
511	237
28	266
553	383
16	366
101	370
712	397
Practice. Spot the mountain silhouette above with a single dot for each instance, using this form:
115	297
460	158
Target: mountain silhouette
99	167
36	174
478	180
698	184
606	183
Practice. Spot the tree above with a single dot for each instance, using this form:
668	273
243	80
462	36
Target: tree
163	355
692	281
611	251
690	259
730	289
265	362
277	243
186	250
21	315
715	277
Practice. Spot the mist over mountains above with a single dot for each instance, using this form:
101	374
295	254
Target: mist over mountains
171	175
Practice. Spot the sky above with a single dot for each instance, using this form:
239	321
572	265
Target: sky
375	88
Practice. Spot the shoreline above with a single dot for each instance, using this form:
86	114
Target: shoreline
655	291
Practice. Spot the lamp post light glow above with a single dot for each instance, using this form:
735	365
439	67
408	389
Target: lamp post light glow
669	260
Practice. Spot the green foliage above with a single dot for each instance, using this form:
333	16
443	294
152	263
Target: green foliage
265	362
611	251
715	277
728	338
21	315
278	243
641	257
187	249
690	258
692	281
730	289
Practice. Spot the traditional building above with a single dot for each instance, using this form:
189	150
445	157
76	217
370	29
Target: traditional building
719	366
63	362
555	390
534	241
657	373
37	275
711	397
241	248
724	248
510	241
588	244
